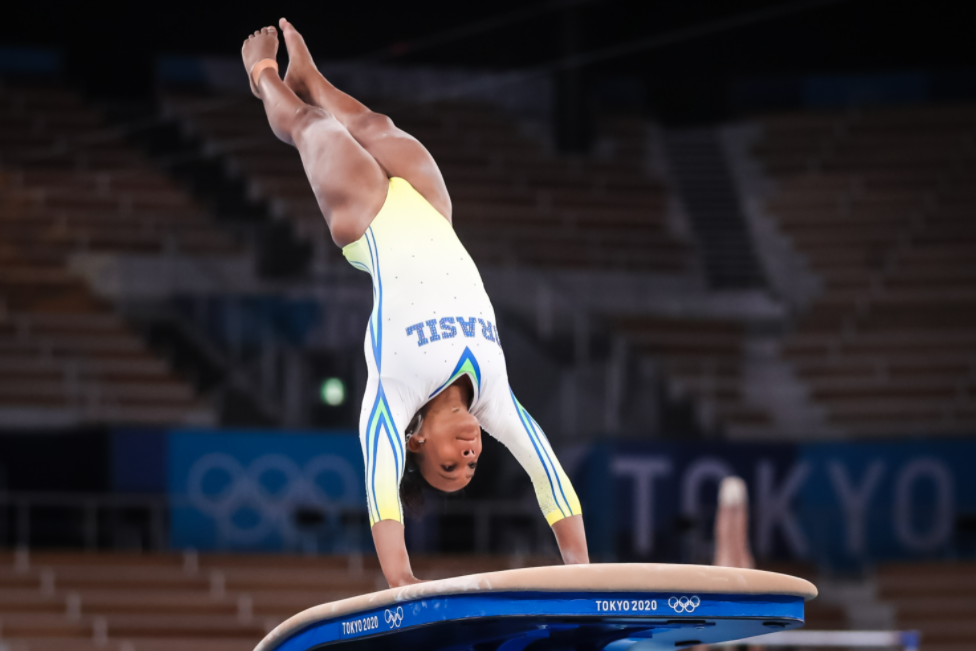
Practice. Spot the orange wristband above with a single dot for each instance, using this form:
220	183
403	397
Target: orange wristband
259	68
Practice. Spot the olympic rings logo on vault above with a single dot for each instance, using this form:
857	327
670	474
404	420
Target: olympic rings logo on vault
394	618
249	503
684	604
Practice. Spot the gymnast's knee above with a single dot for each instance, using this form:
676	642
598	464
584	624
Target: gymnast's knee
369	124
306	120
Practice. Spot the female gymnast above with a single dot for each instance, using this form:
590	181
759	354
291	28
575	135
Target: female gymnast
436	370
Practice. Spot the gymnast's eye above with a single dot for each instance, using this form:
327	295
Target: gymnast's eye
450	467
473	465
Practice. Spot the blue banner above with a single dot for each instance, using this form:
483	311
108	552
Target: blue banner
262	491
842	503
834	503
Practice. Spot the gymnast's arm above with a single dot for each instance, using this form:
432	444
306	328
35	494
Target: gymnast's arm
383	460
508	421
391	548
571	538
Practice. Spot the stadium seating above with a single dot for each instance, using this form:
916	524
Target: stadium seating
69	184
880	202
937	599
703	360
57	601
514	203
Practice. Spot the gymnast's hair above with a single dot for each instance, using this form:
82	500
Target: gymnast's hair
413	483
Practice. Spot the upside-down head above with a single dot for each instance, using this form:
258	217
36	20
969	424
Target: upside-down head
443	447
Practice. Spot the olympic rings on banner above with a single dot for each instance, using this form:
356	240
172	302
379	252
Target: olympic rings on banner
271	504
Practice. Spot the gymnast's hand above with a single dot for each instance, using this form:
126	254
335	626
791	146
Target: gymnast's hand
571	538
391	548
408	580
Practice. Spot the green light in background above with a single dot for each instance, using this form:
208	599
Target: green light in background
333	391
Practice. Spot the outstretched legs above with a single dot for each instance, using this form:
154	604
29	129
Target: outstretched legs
397	152
348	183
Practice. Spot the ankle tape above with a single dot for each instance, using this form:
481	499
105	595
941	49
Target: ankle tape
259	67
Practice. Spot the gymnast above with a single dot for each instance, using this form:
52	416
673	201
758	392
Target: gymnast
437	373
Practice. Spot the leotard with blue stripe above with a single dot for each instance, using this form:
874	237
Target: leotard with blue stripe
432	322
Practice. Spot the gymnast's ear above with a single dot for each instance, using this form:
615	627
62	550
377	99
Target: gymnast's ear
415	440
415	444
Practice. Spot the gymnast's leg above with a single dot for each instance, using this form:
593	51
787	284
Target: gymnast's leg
732	525
732	530
397	152
348	183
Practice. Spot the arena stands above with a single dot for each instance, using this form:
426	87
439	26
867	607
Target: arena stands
69	186
873	200
938	600
71	601
703	360
879	202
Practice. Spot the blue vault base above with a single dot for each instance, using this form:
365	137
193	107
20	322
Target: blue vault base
551	621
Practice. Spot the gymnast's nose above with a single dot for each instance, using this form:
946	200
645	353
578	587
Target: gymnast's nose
470	449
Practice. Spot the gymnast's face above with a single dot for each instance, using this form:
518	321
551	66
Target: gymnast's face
448	445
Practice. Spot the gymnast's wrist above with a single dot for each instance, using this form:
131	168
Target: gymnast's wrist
402	580
575	557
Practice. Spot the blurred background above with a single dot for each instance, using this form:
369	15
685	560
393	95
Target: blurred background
720	238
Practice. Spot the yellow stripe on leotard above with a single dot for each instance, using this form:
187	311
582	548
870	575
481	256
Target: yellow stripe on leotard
554	491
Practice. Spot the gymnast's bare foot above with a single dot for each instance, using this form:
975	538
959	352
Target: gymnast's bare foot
300	62
262	44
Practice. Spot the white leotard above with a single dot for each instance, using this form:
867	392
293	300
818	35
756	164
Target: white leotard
431	323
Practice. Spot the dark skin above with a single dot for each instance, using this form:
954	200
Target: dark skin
448	443
349	153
